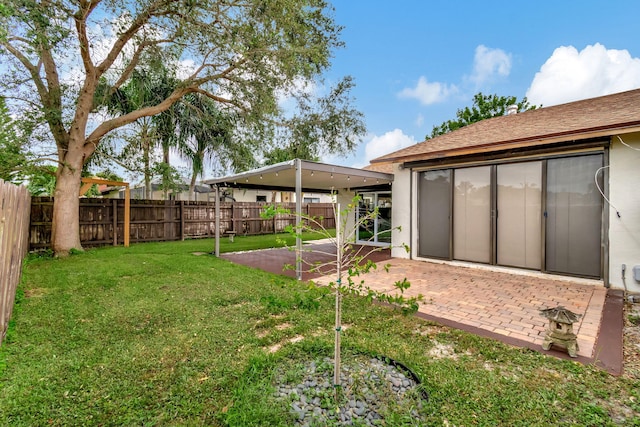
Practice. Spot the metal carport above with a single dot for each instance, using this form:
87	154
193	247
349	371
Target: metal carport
299	176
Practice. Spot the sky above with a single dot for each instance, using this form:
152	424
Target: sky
416	62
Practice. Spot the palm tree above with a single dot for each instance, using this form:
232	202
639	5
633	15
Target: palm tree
146	87
204	134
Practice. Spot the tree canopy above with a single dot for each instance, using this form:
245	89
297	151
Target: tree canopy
246	55
12	158
484	107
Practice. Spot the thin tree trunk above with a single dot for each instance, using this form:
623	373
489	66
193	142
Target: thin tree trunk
192	186
146	158
165	153
338	320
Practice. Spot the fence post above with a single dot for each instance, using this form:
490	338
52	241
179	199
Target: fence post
233	218
115	221
167	218
182	220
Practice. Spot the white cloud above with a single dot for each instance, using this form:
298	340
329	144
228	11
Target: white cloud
489	62
569	75
372	146
428	93
387	143
419	120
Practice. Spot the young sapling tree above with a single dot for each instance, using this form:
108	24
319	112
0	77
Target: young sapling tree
348	263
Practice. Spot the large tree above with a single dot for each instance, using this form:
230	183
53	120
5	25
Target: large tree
484	107
244	54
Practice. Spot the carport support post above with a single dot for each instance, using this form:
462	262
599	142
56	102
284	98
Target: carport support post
298	219
217	221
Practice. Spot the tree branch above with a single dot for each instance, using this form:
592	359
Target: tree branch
83	39
125	37
105	127
134	62
46	97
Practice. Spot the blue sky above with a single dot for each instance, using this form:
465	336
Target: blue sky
415	63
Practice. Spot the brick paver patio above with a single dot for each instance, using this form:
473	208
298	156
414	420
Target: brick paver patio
499	302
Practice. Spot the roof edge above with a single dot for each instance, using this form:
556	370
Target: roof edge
595	132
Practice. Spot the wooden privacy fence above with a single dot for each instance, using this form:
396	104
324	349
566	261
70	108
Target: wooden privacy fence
102	220
14	237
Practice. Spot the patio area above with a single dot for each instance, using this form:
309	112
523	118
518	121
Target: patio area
503	305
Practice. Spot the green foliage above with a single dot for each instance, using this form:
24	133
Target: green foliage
42	181
12	158
204	136
245	60
484	107
148	85
170	180
330	119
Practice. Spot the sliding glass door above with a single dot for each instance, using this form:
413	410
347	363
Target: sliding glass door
472	214
519	222
541	215
574	216
434	216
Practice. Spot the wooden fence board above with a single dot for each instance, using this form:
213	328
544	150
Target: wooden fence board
102	220
15	204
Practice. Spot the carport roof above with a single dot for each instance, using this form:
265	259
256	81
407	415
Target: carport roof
316	178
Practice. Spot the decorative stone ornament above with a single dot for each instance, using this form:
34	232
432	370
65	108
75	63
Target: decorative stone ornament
560	329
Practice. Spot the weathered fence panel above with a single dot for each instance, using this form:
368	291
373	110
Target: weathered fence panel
15	204
102	220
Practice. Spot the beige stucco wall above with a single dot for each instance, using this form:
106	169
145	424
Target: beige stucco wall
402	195
242	195
624	192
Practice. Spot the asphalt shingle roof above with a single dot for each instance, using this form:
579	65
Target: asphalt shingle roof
605	115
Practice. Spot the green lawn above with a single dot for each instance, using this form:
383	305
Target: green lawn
155	335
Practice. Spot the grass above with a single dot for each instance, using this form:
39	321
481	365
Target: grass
155	335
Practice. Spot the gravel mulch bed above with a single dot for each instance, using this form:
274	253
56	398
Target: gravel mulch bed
372	390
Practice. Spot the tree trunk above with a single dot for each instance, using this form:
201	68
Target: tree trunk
338	315
65	233
146	158
192	187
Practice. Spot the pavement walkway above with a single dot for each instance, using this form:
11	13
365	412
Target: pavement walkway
503	304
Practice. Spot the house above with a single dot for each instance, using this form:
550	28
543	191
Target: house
268	195
202	193
552	190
